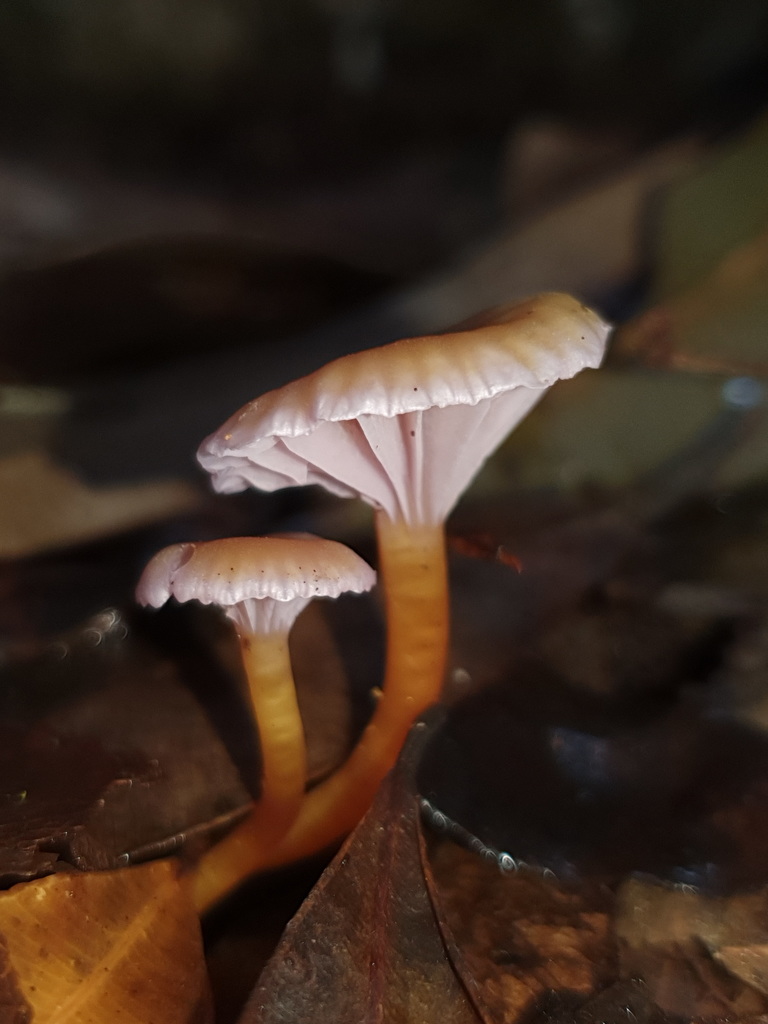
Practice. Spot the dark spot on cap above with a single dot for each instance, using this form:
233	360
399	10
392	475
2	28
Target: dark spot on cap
413	433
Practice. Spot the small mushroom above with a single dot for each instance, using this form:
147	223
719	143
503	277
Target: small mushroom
405	427
262	583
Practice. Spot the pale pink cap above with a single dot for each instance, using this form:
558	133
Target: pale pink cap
406	426
262	582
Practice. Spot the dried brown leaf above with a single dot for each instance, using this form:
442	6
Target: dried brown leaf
699	955
365	946
102	946
517	939
106	758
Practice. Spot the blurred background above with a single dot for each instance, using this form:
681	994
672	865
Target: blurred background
202	200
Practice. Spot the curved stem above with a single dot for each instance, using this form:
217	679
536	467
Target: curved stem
281	733
413	563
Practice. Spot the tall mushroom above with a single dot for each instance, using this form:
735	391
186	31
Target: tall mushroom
405	427
263	583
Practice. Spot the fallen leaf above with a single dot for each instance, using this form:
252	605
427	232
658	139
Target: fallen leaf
53	508
589	785
102	946
748	963
532	947
699	955
50	786
365	946
106	757
520	939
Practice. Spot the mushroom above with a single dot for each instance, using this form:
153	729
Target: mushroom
263	583
405	427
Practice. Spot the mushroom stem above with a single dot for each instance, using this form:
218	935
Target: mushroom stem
281	733
413	562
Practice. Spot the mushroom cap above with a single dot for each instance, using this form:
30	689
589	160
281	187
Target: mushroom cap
529	344
287	436
238	570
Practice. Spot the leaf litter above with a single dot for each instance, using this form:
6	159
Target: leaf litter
365	945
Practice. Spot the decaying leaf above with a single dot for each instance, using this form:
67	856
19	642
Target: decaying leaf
106	757
594	786
647	848
532	947
103	946
520	940
365	946
53	508
50	786
699	956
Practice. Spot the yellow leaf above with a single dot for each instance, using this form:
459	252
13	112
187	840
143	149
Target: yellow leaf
86	948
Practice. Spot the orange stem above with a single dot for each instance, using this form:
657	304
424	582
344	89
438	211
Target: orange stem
281	733
412	562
